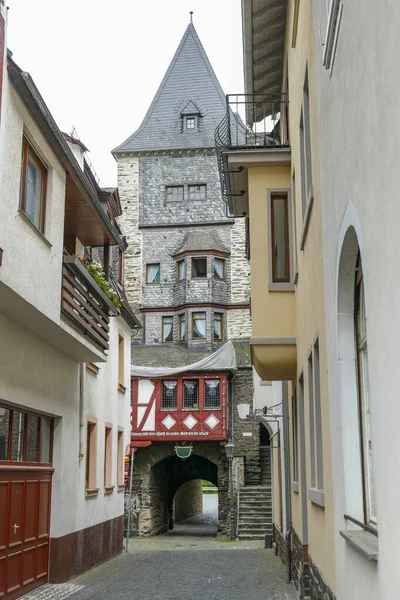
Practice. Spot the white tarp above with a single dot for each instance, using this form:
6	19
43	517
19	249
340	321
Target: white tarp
223	359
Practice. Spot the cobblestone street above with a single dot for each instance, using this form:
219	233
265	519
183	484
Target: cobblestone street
188	563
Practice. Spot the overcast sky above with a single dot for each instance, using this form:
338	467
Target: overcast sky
98	63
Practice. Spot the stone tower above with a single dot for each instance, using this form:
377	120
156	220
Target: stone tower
186	269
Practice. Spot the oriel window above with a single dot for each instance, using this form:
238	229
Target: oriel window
168	329
33	186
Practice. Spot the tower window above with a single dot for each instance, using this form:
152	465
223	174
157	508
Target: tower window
197	192
190	123
174	193
199	267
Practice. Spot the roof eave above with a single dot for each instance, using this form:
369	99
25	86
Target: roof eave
33	100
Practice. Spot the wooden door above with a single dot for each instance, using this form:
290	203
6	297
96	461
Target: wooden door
25	499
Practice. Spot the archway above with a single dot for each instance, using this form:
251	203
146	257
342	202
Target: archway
160	477
265	455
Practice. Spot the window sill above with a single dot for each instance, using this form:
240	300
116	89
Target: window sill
91	492
34	228
190	409
281	287
121	487
295	487
108	489
92	368
363	542
307	217
121	388
316	496
169	409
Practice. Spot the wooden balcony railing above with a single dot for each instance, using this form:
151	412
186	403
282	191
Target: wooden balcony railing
84	304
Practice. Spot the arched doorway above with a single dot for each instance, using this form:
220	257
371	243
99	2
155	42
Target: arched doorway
265	455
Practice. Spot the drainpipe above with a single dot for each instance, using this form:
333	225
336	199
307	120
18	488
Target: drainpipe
288	551
82	427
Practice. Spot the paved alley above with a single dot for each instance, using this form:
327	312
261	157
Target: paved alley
185	564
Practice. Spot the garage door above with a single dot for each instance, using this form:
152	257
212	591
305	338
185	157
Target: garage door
25	497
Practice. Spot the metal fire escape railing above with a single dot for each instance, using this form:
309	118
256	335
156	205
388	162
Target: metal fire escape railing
251	122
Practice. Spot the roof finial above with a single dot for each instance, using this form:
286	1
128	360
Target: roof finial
191	16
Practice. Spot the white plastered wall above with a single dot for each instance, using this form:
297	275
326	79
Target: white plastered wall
359	120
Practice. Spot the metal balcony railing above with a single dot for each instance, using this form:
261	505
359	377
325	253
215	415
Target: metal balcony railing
251	122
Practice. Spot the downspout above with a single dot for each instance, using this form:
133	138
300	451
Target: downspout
288	551
82	427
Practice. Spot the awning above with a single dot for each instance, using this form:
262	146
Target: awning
223	359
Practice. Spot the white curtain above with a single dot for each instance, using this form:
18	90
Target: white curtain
167	332
217	328
170	385
182	269
153	273
199	325
183	329
219	267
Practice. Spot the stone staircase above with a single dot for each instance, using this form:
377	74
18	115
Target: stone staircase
255	505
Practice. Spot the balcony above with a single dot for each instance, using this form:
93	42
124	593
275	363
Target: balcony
84	305
254	162
253	133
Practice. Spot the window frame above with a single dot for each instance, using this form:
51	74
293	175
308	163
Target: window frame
25	438
27	149
91	457
147	274
174	187
187	118
163	323
181	319
108	487
215	275
203	312
286	285
120	458
121	362
120	265
179	264
194	258
221	321
316	491
295	442
199	185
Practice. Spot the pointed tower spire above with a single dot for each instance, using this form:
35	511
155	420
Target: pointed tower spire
191	16
188	105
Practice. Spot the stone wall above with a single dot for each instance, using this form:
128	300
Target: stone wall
239	323
240	282
279	543
319	590
300	567
157	172
188	500
246	433
128	187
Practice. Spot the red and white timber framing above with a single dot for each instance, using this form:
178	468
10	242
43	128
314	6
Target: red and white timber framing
150	421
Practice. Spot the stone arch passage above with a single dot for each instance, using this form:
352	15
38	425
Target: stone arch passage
159	474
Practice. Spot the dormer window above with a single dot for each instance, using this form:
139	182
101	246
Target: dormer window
190	123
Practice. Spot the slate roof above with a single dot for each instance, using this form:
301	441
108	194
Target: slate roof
201	240
189	84
171	356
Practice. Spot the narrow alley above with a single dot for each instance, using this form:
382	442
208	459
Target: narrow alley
187	563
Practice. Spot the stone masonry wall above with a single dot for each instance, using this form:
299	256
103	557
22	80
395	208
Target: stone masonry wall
157	172
319	590
188	500
246	433
128	187
240	282
299	567
239	323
